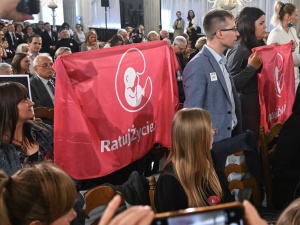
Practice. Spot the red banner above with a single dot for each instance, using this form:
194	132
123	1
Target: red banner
276	84
112	105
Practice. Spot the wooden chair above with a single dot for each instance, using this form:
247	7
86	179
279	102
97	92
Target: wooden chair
249	182
152	183
43	112
267	149
98	196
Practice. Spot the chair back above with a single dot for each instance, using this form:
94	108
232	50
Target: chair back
98	196
152	183
267	148
246	182
43	112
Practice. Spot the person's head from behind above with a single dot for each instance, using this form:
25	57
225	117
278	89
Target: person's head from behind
91	37
179	44
42	65
15	106
63	51
116	40
219	24
152	36
42	194
291	215
250	23
200	43
192	138
35	43
22	48
285	13
5	69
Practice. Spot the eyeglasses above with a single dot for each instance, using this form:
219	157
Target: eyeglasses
46	66
233	29
181	49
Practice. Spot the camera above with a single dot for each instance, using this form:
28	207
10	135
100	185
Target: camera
29	6
223	214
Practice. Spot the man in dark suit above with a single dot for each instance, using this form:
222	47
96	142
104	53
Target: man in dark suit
42	85
40	29
65	41
12	37
206	81
49	38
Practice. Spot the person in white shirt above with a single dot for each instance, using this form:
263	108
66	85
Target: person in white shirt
285	17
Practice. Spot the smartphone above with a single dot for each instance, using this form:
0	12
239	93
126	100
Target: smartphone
29	6
223	214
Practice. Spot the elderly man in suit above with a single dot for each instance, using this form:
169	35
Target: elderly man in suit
206	81
12	37
42	84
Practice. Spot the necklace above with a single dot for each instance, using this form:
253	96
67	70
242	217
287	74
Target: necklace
16	140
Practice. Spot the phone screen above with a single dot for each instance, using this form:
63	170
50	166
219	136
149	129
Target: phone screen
228	216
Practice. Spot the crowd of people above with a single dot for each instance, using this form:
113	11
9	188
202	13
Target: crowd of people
219	90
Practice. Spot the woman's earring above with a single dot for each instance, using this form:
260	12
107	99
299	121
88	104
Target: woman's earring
290	24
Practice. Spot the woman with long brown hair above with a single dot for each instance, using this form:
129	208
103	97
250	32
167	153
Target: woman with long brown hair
21	64
189	178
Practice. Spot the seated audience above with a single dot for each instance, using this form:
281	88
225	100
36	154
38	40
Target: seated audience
79	35
22	48
179	46
62	51
164	34
44	194
28	33
21	64
5	69
91	41
18	29
286	161
152	36
65	41
42	85
199	44
116	40
191	176
66	26
23	142
50	39
129	32
124	34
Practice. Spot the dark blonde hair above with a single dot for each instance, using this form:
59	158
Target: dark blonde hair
88	34
280	9
291	215
43	192
191	136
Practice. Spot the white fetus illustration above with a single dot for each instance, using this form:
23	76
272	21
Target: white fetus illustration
133	90
279	77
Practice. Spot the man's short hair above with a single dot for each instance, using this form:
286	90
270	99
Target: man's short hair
214	20
160	32
152	32
36	59
180	40
29	39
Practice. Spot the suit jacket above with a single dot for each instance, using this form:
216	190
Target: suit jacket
19	40
201	91
49	41
39	93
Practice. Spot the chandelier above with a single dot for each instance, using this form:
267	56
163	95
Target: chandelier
52	4
228	4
